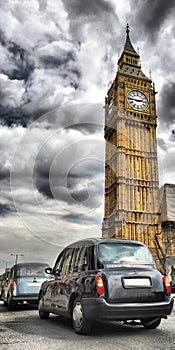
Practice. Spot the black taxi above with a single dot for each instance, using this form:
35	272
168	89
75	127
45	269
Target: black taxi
106	279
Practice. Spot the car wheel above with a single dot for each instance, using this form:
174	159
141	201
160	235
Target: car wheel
151	323
42	313
80	323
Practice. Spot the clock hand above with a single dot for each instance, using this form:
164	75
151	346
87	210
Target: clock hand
135	99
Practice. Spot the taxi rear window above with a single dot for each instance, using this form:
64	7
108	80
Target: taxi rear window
31	271
122	253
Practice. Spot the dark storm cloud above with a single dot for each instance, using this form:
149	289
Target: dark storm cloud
84	169
166	106
86	117
64	60
162	144
67	65
19	59
68	182
69	196
80	196
81	173
19	67
78	218
4	209
4	170
72	217
11	116
52	61
41	174
151	14
24	65
88	8
98	15
2	38
43	186
78	175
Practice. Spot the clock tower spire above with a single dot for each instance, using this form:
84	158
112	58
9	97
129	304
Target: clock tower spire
131	170
128	46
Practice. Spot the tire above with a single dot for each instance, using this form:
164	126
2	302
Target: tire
80	324
42	313
151	323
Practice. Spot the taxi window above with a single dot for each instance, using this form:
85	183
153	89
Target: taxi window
124	253
27	271
66	261
75	259
83	260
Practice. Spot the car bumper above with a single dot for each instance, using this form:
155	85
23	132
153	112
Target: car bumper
100	309
26	298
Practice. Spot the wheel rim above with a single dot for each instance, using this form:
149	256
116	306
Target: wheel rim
78	314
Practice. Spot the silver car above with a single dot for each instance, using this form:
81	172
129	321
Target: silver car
24	284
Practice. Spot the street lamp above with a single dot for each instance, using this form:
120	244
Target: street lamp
16	257
6	263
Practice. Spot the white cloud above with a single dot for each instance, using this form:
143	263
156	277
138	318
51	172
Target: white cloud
11	91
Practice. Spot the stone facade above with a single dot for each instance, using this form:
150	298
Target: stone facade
167	200
132	209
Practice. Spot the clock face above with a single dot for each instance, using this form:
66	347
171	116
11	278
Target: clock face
137	100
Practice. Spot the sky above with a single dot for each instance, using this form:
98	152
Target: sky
57	61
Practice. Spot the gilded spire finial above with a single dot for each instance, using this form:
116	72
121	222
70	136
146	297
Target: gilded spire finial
127	28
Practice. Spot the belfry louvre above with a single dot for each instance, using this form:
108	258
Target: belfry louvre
132	207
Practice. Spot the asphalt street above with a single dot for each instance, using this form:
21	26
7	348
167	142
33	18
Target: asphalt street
23	330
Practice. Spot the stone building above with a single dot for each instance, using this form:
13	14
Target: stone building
167	201
132	206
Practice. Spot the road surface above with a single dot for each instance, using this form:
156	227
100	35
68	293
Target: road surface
23	330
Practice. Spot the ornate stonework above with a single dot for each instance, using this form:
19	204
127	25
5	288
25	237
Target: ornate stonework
132	209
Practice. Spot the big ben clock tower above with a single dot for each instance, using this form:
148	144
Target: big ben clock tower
131	171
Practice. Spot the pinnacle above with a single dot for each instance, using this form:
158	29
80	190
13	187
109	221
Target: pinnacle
128	45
